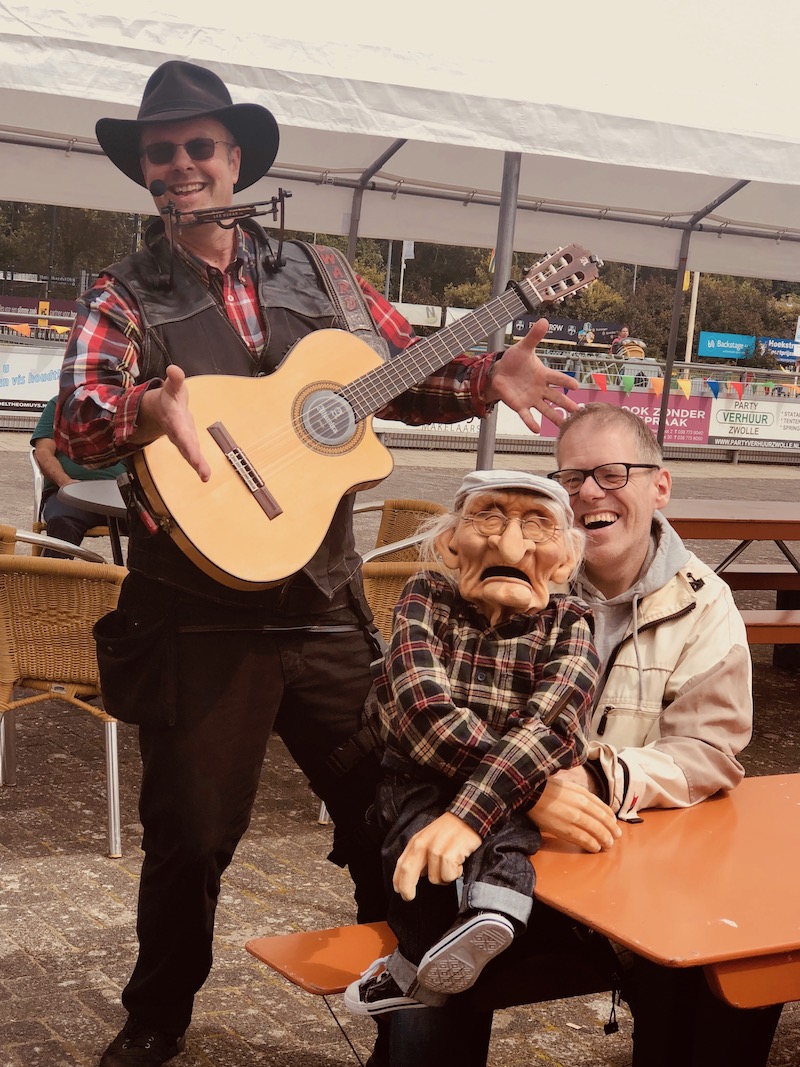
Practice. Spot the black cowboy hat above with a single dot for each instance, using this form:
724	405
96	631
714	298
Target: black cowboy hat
177	91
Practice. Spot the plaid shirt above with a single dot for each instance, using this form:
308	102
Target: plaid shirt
498	709
100	391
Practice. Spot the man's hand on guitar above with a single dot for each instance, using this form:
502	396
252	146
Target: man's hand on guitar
165	411
522	381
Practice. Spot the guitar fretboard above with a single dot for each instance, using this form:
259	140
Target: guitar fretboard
371	391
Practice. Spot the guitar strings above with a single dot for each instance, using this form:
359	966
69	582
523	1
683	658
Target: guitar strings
286	441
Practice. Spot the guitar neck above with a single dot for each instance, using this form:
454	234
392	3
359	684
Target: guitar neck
372	391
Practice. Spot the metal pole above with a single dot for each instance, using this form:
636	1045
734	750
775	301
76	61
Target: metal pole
692	313
388	270
52	249
504	251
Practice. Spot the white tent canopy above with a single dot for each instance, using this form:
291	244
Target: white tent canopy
635	124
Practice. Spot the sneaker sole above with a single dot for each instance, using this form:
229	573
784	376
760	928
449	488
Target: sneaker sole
454	963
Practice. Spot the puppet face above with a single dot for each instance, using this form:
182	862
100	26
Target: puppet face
507	572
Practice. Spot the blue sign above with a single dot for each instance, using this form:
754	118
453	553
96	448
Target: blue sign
725	345
782	348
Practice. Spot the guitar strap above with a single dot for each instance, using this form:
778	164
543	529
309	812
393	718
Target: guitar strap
345	293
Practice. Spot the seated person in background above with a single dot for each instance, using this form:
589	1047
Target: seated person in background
62	521
484	693
671	714
618	344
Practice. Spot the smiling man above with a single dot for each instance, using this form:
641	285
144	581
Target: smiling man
675	705
482	696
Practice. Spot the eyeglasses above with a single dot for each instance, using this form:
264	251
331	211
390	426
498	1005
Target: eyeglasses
199	149
607	475
488	523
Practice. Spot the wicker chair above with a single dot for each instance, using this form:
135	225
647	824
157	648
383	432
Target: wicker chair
10	537
400	521
47	609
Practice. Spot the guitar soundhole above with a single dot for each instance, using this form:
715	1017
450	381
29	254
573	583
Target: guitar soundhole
327	419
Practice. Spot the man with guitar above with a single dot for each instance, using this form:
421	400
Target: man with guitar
205	655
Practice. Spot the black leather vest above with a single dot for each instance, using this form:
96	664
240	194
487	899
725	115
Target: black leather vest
183	324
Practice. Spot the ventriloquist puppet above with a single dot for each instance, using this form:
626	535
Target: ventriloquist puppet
485	692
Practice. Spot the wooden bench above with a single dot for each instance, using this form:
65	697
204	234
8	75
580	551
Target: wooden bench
767	627
779	576
324	961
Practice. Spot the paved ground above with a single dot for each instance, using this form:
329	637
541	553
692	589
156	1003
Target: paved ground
67	912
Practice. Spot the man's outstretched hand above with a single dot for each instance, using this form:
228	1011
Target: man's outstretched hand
522	381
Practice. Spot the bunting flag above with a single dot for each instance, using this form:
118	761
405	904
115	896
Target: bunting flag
492	261
768	385
686	386
657	385
736	387
628	382
601	381
713	386
19	327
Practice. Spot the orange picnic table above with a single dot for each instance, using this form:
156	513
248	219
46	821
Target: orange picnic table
715	885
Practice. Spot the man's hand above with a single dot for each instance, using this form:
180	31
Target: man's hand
572	813
522	381
439	850
166	411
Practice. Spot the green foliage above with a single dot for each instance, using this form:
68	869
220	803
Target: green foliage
81	240
452	276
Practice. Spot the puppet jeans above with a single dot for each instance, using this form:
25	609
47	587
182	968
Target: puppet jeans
498	876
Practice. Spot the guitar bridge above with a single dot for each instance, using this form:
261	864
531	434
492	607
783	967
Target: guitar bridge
238	459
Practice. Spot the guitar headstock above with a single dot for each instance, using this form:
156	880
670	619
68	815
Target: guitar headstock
561	274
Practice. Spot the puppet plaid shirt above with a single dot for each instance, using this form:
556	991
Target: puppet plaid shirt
100	368
498	709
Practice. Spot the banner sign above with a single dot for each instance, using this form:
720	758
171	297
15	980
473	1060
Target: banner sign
771	422
28	376
756	424
781	348
725	345
575	331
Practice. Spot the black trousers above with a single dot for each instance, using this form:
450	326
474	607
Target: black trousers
199	782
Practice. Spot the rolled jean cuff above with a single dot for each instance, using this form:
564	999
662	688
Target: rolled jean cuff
483	896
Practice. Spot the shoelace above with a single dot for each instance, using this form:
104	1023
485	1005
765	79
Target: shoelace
374	967
140	1040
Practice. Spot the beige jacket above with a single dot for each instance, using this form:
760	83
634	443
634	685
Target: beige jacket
675	701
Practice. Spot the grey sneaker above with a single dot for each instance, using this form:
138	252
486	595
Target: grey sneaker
454	962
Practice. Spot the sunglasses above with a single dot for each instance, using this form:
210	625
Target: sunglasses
198	149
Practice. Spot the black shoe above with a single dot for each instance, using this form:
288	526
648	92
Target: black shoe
138	1045
376	992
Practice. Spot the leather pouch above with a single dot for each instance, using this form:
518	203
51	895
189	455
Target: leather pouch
137	668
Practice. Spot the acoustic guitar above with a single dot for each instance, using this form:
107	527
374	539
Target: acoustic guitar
284	449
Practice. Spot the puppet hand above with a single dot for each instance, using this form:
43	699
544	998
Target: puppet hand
439	850
572	813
